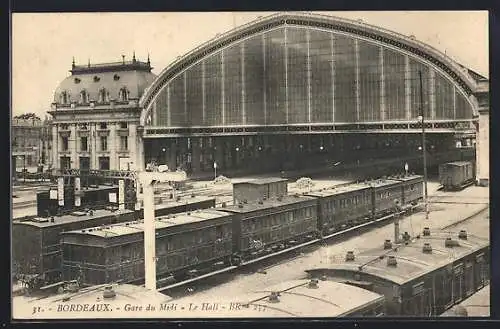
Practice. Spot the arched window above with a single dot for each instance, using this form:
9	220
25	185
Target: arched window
84	97
123	96
64	97
103	96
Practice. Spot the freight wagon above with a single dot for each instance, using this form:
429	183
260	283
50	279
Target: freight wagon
456	175
255	228
110	253
36	248
420	277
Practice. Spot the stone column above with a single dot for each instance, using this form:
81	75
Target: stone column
133	145
112	146
55	147
73	146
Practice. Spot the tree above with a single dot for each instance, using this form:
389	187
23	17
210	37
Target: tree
27	116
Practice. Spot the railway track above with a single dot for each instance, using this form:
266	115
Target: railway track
24	204
472	216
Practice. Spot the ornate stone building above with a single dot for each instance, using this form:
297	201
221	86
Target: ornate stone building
28	149
96	113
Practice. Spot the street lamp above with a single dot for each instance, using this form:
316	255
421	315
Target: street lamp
215	170
424	152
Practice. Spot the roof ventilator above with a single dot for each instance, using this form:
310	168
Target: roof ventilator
391	261
313	284
450	243
387	244
274	297
462	235
108	292
427	231
349	256
427	248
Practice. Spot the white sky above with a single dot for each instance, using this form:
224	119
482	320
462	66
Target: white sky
43	44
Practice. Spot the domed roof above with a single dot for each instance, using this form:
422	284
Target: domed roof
134	76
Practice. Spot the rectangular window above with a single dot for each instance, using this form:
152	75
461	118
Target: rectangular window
83	144
104	163
65	163
123	125
103	125
64	144
104	143
124	143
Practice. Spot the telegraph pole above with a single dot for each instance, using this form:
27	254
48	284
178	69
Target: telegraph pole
424	151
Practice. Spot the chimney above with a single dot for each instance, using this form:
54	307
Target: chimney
462	235
450	243
313	284
391	261
108	293
387	244
274	297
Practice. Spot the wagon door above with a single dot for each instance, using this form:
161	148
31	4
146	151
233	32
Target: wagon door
458	283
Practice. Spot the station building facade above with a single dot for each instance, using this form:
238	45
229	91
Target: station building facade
96	114
289	90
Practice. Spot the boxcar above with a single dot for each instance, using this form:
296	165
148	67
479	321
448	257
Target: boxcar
456	175
273	223
385	192
412	188
95	197
36	249
184	242
424	278
343	206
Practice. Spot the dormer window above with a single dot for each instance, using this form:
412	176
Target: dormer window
64	98
103	96
84	97
123	96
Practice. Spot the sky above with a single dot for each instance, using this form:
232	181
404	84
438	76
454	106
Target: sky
43	44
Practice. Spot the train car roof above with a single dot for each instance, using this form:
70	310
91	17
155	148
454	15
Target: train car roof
381	182
266	204
330	191
170	203
457	163
295	299
406	177
76	216
120	229
412	262
54	305
89	188
263	181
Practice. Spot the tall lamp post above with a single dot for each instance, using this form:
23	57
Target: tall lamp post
424	151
